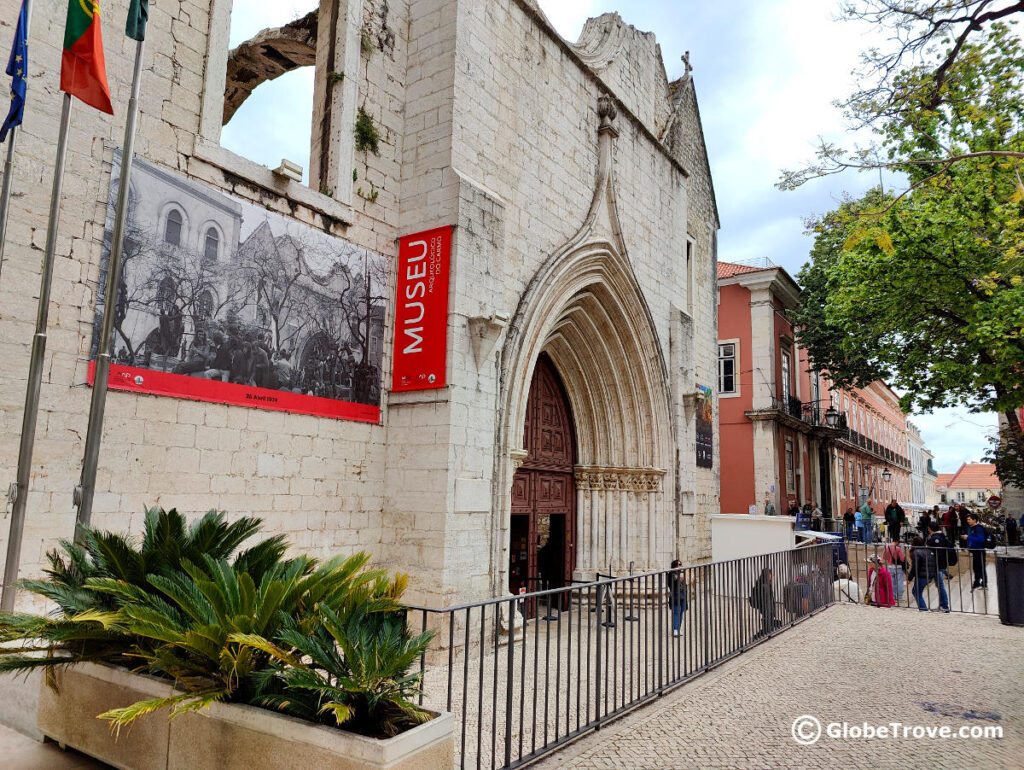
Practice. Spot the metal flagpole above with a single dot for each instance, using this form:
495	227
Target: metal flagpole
5	195
85	491
19	490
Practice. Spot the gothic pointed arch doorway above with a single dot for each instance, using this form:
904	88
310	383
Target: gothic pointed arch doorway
543	525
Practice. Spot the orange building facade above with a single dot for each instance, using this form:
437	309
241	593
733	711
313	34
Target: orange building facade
777	446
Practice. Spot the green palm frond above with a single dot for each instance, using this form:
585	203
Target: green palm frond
178	703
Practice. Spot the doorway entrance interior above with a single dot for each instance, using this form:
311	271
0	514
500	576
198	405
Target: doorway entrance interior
542	549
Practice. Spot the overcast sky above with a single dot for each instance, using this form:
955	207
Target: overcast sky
766	75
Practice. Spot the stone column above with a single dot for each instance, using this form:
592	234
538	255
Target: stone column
623	528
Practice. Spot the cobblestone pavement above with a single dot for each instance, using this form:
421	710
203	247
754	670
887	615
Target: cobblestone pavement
850	663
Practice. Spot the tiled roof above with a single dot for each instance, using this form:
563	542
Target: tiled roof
942	480
729	269
975	476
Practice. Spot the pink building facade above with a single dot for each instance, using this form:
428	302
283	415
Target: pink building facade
776	443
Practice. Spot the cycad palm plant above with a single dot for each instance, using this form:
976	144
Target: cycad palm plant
85	625
354	670
197	626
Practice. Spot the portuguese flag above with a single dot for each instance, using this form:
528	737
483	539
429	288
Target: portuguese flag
83	73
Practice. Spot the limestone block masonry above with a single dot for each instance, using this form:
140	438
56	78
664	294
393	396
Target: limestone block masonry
585	227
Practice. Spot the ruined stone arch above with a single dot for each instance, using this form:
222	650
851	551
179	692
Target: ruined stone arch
266	56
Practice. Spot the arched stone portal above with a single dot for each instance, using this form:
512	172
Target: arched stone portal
542	532
586	311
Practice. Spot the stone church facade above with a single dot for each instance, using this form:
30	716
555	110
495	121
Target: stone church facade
581	312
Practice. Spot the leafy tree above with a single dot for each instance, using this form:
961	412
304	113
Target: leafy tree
924	288
888	97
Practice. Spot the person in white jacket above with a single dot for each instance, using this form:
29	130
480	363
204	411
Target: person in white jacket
845	589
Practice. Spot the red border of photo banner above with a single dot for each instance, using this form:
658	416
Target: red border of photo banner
135	379
421	311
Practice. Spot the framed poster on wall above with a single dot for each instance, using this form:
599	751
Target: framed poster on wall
705	428
222	300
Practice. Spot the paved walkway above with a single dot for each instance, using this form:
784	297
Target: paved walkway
18	752
851	663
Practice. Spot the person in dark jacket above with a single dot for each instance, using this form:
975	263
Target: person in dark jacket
923	570
848	521
762	599
894	518
922	524
961	514
975	541
940	546
1012	531
677	595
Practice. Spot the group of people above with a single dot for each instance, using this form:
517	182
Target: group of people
927	561
807	591
860	524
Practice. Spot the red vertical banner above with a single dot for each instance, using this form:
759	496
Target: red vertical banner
421	310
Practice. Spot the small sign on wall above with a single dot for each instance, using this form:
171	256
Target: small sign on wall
421	310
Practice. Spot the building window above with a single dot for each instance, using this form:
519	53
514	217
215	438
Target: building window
786	368
206	305
961	497
172	228
727	368
981	497
211	247
790	468
853	480
842	477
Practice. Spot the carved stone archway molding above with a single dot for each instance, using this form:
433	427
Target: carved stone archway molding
585	309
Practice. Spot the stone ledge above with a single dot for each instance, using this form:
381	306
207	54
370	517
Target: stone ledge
213	154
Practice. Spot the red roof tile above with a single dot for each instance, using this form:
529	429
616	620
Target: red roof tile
975	476
943	479
729	269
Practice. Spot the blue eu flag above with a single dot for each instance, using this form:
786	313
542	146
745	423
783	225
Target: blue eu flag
17	67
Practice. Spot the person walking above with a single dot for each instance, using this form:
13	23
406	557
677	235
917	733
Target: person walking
769	507
762	599
867	516
677	595
844	589
974	538
849	520
924	569
894	518
945	556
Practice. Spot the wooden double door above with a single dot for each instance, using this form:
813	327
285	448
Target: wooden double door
543	526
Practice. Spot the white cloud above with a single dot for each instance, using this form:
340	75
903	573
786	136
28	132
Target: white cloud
955	435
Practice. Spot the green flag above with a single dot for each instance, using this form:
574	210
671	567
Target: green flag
135	25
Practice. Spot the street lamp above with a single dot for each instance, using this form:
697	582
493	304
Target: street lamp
832	416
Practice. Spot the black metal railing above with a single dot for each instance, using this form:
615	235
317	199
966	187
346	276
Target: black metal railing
947	579
526	674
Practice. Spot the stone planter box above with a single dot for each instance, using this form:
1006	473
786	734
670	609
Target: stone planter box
223	736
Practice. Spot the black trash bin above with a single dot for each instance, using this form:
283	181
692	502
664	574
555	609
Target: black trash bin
1010	585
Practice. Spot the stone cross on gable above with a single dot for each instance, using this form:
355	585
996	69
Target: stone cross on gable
686	62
